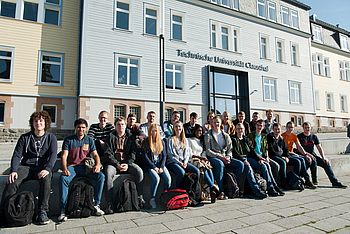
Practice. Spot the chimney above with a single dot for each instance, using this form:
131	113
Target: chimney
314	17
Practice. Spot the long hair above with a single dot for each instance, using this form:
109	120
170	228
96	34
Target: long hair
155	144
182	138
40	114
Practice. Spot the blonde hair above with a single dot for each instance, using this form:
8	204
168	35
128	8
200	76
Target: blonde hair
182	139
155	144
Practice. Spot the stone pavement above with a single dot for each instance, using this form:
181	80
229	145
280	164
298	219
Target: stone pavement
324	210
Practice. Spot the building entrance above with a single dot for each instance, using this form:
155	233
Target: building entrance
228	91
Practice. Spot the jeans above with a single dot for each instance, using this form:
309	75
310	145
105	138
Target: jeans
327	168
264	171
274	171
134	170
209	177
80	170
301	166
155	179
179	171
30	173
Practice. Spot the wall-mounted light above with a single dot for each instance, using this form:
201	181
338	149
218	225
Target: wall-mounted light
255	90
193	86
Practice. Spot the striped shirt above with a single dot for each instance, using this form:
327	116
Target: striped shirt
96	132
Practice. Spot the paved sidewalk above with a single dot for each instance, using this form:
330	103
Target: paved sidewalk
324	210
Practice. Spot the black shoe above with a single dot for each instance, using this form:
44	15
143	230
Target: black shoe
339	185
280	192
260	195
142	201
314	181
272	192
42	218
309	185
212	195
109	210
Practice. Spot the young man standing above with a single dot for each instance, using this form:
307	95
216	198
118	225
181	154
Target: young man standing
308	141
151	118
121	155
241	119
168	126
191	125
252	124
75	150
269	121
33	158
100	131
291	139
227	125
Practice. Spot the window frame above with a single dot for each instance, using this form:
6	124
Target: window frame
3	117
295	58
344	42
267	46
53	124
317	33
343	103
174	71
123	11
262	4
330	104
12	50
282	56
115	109
129	65
294	14
23	11
317	100
53	7
232	38
285	10
182	24
294	92
11	2
51	54
326	67
272	89
137	112
145	16
271	5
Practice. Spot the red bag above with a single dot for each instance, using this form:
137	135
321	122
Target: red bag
174	199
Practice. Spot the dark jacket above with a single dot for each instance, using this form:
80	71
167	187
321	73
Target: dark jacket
264	147
243	148
128	153
148	156
189	130
245	124
25	152
276	147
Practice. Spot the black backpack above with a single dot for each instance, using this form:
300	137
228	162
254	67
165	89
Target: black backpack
231	188
126	197
80	199
191	184
19	209
261	182
294	182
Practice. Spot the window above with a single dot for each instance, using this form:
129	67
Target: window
342	70
182	115
6	63
347	70
327	70
173	76
151	21
295	19
264	47
52	110
280	57
269	89
321	65
122	15
329	102
344	45
8	9
51	68
261	8
227	3
176	27
300	121
317	33
343	103
30	11
224	36
119	111
127	71
285	15
317	100
52	12
295	54
2	112
271	11
294	92
137	111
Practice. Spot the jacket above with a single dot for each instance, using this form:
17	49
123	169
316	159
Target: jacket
213	149
264	147
148	156
277	147
241	150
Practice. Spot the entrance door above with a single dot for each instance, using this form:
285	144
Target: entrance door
228	91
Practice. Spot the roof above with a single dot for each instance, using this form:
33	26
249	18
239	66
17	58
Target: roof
329	26
298	4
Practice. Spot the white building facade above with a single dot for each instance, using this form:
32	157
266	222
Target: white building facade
330	49
232	55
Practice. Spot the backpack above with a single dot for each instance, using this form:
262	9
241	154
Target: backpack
231	188
80	199
19	209
126	197
192	186
261	182
174	199
294	182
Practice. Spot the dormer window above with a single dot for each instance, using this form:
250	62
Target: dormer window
317	33
344	42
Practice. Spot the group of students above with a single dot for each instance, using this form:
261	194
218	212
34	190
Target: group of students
165	153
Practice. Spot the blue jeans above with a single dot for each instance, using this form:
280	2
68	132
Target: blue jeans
179	171
301	166
80	170
209	177
327	168
264	170
155	179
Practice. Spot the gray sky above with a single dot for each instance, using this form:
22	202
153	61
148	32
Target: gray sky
333	12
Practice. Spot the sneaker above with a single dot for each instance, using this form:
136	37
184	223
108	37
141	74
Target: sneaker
309	185
42	218
142	201
153	203
109	210
279	190
222	196
315	182
212	195
98	211
260	195
62	217
339	185
272	192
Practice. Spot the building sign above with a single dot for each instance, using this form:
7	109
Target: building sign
216	59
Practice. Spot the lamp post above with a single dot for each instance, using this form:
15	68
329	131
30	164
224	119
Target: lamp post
161	64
